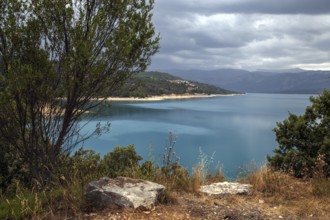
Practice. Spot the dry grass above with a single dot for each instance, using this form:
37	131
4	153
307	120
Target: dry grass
277	184
321	187
274	195
304	199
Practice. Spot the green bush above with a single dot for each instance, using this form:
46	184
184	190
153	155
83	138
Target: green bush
86	165
303	139
122	161
147	170
12	170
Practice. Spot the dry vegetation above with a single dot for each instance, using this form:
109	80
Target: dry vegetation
275	195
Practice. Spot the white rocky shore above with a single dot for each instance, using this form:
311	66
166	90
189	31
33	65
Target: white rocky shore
167	97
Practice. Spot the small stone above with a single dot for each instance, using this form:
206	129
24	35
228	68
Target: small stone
223	188
280	216
261	201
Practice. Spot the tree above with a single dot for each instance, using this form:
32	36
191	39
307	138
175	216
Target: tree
55	58
304	141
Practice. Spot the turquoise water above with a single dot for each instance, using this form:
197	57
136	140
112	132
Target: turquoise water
237	129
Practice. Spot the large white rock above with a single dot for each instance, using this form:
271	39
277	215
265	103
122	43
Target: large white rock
225	188
123	192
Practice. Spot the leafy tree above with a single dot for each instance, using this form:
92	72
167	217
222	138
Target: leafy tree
305	140
122	161
57	56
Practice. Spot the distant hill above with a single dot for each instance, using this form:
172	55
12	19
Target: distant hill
156	83
262	81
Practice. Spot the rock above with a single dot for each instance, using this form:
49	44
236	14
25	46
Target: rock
261	201
225	188
123	192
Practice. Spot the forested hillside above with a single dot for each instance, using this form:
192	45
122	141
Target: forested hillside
146	84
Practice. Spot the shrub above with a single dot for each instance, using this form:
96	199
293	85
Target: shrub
122	161
86	165
147	170
12	169
302	139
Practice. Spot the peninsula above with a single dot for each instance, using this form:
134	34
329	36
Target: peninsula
156	86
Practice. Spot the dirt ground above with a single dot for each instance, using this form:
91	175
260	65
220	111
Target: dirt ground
200	206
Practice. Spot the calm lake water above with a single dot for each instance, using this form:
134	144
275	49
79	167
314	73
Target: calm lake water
237	129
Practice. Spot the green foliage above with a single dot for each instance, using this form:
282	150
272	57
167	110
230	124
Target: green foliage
122	161
180	177
12	170
55	57
65	196
23	204
86	165
147	170
303	139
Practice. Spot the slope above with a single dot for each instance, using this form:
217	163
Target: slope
146	84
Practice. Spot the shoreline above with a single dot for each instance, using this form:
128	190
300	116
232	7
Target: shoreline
166	97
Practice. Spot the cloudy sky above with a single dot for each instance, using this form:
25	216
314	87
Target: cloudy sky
244	34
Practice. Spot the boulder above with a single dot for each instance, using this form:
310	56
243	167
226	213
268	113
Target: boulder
223	188
123	192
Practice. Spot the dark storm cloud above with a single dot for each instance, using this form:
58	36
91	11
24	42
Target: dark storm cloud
248	34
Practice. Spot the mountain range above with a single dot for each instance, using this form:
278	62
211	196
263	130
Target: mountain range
296	81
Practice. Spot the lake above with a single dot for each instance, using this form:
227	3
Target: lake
237	130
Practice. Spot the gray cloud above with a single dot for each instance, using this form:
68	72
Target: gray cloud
247	6
275	7
248	34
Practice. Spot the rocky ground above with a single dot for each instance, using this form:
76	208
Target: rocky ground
201	206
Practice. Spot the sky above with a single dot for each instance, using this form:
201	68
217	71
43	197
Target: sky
242	34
